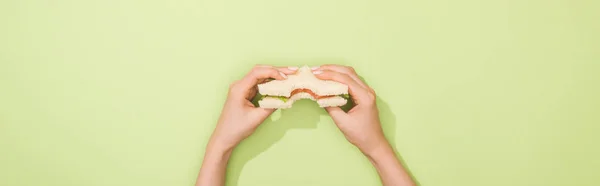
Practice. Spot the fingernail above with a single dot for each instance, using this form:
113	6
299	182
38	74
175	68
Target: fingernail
282	74
317	72
293	68
315	67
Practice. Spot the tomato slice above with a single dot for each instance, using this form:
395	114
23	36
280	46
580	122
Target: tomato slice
311	93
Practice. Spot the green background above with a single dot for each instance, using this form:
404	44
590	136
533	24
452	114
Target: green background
472	93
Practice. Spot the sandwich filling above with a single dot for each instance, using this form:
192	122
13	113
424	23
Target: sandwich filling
296	91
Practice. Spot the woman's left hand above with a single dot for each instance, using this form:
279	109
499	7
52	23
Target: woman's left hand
239	117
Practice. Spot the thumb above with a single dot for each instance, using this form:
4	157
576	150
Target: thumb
261	113
336	113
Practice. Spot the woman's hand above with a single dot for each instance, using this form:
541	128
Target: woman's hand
361	124
362	127
239	118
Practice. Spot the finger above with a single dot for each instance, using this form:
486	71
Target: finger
287	70
251	93
259	73
262	113
265	73
355	90
345	70
336	113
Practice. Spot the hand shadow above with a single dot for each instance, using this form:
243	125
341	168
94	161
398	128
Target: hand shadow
303	115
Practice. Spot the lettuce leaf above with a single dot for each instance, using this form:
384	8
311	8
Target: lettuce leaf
282	98
285	99
347	96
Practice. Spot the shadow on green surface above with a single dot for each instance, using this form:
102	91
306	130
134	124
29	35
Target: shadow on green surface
304	114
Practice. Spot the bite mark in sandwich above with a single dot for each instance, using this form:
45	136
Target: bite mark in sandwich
302	85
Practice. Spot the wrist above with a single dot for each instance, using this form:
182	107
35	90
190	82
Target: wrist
381	151
221	141
217	154
374	146
219	147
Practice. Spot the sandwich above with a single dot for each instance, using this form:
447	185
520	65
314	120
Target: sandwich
281	94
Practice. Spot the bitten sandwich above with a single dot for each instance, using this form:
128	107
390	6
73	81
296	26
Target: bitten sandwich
302	85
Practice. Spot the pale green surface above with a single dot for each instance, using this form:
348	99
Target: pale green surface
472	93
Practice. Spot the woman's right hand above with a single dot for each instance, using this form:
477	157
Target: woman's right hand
362	127
361	124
